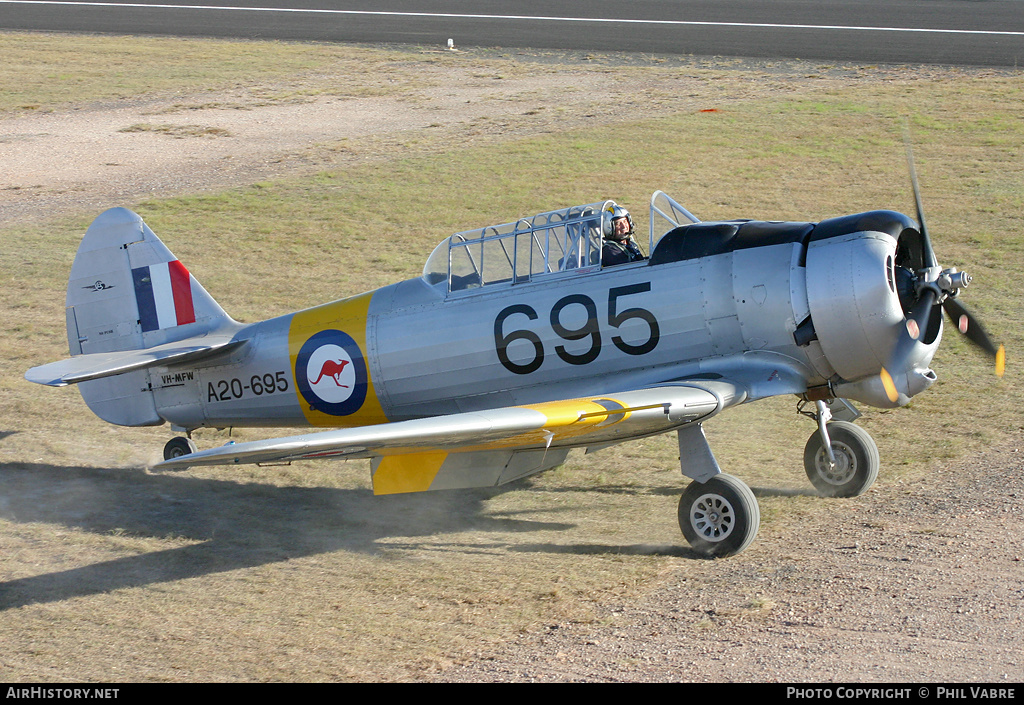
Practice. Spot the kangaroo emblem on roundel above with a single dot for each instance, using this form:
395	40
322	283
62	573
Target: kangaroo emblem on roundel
332	369
330	373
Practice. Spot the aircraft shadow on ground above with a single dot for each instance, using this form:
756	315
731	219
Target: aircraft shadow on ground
227	524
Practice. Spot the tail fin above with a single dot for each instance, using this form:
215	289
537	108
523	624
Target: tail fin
128	292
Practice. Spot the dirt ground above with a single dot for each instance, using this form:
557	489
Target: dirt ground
920	580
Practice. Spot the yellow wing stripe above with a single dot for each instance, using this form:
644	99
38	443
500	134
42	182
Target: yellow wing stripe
565	419
567	413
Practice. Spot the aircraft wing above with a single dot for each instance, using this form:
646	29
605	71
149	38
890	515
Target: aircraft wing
81	368
488	447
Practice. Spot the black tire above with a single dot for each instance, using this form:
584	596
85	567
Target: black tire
177	447
857	461
719	517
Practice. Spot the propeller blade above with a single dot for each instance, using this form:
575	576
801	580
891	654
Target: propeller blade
923	320
890	386
918	323
926	244
971	327
917	329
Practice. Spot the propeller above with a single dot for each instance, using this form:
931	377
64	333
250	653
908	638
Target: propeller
935	287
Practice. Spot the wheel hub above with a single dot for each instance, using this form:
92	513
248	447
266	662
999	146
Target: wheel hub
712	517
845	467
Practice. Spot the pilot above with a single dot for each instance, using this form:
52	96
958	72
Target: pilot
619	246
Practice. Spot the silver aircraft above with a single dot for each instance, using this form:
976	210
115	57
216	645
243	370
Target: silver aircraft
517	345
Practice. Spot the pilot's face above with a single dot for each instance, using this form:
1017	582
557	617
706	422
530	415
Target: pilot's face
620	228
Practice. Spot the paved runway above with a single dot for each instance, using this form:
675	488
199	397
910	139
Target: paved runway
989	33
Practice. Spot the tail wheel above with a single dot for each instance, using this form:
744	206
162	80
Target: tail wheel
719	517
857	461
177	447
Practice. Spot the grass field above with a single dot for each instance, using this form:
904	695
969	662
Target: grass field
111	573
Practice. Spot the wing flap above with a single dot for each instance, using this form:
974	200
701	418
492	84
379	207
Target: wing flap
419	472
81	368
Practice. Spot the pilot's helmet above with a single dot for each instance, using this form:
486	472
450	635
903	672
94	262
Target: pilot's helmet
617	212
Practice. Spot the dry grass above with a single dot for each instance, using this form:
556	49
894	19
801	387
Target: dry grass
110	573
42	72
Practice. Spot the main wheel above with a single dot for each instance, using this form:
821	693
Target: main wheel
177	447
719	517
857	461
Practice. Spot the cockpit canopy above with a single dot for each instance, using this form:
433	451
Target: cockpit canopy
555	241
564	241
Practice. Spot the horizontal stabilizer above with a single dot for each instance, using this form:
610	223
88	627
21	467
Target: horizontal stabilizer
96	365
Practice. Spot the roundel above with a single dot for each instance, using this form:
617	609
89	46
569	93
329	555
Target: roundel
330	373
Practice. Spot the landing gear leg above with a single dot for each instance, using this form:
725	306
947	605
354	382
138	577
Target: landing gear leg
718	514
841	460
850	464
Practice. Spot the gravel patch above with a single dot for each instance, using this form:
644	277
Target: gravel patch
916	581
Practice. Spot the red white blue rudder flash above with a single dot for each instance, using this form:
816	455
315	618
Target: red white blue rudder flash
163	293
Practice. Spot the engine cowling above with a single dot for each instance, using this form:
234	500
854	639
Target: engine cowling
855	266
